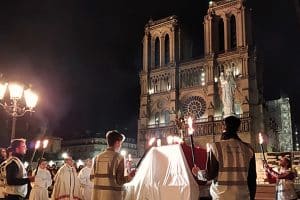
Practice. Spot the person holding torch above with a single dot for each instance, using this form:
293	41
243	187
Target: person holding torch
285	189
230	165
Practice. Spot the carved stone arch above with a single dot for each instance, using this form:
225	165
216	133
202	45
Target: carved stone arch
165	33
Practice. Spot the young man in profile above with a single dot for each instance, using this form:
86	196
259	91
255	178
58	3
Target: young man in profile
16	175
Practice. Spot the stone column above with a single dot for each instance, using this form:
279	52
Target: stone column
145	52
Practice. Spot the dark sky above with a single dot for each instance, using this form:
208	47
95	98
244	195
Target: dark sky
83	57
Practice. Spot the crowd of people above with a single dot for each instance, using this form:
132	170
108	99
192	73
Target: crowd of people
101	180
230	166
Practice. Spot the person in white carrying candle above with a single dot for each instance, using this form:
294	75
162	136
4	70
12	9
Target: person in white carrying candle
42	181
230	166
86	186
108	170
285	179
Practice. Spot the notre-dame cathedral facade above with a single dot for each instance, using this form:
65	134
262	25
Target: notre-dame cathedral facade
172	87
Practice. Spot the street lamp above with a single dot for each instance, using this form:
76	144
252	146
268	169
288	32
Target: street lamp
14	108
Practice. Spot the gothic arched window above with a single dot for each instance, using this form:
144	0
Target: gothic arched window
167	49
167	117
232	32
157	53
156	118
221	35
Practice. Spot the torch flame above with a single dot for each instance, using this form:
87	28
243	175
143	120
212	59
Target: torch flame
151	141
37	144
260	138
170	139
45	144
207	147
190	123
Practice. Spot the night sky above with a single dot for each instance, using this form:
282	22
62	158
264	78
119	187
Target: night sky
83	58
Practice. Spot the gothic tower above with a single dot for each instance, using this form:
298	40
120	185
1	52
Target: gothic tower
172	86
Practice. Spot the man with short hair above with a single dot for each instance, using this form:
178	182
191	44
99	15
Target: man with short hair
16	175
108	170
66	182
231	166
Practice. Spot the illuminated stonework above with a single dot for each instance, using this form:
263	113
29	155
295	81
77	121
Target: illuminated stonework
279	125
173	84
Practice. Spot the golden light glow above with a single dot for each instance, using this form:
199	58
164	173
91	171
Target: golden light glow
3	87
170	139
151	91
190	123
30	98
260	138
37	144
15	91
45	143
64	155
123	153
51	163
26	164
158	142
216	79
129	157
151	141
208	147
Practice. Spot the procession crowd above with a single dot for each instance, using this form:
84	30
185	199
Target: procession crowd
230	167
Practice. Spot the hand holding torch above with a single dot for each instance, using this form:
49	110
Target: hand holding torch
190	132
261	141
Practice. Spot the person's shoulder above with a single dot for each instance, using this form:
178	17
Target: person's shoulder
12	161
249	146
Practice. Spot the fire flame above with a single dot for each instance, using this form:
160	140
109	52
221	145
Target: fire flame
207	147
37	144
261	139
151	141
190	123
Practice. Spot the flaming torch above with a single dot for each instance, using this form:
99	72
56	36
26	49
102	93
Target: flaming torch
208	151
191	131
45	144
261	141
37	145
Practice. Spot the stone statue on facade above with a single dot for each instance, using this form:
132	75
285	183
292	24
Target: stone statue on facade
228	86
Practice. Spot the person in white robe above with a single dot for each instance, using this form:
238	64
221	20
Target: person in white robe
41	183
86	186
66	182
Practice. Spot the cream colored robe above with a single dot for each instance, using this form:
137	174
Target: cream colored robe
66	184
86	186
40	185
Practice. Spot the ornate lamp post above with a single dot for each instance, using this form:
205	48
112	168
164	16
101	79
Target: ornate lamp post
14	108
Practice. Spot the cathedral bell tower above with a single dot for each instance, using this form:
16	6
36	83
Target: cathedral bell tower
161	52
229	47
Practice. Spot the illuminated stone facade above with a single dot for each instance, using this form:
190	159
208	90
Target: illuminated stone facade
172	86
279	125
